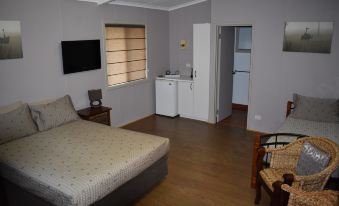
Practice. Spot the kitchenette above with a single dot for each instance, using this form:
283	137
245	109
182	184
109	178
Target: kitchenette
188	95
175	96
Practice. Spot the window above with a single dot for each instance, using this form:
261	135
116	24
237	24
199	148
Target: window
243	39
125	53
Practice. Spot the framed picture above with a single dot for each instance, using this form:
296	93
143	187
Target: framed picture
315	37
10	40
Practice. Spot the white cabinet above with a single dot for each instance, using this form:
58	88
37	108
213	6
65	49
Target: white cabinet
186	99
166	97
201	65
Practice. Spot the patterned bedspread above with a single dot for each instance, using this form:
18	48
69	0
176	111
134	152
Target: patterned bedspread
80	162
310	128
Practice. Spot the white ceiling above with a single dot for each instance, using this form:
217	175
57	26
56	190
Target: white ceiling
167	5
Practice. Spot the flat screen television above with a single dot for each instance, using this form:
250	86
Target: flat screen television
79	56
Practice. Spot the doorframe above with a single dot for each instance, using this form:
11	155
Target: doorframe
217	68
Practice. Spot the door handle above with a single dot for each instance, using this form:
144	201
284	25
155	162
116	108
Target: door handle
241	71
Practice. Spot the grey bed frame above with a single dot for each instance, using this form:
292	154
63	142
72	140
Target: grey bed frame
126	194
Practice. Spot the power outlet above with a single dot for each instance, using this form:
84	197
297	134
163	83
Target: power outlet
257	117
188	65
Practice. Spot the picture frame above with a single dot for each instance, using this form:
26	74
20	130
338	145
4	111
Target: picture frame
313	37
10	40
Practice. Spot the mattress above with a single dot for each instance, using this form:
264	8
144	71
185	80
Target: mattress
310	128
80	162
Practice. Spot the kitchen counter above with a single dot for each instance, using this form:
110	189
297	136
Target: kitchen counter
178	79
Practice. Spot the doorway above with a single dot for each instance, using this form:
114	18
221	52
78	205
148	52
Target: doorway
234	51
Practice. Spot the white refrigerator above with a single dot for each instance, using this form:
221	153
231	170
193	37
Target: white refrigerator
166	97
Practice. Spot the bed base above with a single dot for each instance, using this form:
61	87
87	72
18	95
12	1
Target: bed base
126	194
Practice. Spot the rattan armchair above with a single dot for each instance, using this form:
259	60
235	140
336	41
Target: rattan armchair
282	169
302	198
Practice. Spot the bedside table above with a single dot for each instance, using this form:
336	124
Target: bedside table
96	114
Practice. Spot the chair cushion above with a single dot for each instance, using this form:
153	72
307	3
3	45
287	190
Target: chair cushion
271	175
315	109
312	160
54	114
16	124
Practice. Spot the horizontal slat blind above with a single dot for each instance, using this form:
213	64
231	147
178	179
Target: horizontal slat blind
125	67
125	53
124	44
122	78
125	56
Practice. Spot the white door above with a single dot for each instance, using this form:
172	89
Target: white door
201	66
185	99
242	65
166	98
225	69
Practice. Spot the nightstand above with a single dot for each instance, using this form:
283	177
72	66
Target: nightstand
96	114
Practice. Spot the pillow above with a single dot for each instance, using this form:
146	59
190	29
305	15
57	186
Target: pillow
312	160
315	109
54	114
16	124
46	101
11	107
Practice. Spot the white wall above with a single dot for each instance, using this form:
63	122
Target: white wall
44	23
276	75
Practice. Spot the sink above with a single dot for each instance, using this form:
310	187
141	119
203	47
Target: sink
172	76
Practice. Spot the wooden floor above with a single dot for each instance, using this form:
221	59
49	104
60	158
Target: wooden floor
208	164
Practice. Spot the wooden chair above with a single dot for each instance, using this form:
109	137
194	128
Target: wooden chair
282	169
302	198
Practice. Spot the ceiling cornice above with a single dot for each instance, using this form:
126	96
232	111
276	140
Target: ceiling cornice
185	5
143	5
140	5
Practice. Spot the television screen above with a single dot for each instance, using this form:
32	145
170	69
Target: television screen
78	56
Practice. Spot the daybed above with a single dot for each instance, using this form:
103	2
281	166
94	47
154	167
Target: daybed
301	125
80	163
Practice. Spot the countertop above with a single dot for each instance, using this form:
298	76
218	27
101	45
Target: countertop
178	79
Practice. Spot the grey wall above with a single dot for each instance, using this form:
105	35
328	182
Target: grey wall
38	76
181	28
276	75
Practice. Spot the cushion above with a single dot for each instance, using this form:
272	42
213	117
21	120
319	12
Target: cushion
11	107
315	109
54	114
16	124
46	101
312	160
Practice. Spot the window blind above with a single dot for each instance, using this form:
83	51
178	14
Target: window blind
125	53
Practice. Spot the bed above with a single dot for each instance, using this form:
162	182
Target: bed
295	127
81	163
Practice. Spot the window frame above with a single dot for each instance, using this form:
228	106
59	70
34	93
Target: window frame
237	34
130	83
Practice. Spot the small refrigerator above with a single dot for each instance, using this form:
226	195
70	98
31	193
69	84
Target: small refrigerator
166	97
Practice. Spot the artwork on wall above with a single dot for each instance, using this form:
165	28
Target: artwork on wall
10	40
315	37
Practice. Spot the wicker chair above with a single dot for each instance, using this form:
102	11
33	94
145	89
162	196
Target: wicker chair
302	198
282	169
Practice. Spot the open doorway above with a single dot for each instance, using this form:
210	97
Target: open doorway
233	70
